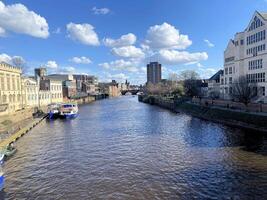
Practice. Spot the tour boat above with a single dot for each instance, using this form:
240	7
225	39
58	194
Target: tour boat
69	110
53	111
2	178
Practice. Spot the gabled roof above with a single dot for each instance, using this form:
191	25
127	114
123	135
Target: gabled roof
217	75
263	15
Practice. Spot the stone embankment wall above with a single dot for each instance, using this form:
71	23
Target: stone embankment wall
226	116
13	121
252	107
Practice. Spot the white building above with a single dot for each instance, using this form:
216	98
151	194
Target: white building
31	92
246	55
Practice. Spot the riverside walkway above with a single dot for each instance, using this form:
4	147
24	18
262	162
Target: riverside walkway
20	132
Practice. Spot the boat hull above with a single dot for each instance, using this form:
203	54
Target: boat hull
69	116
2	182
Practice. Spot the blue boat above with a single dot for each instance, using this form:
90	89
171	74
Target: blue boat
53	111
68	110
2	178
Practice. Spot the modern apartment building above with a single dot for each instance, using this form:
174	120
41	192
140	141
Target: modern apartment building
246	55
10	88
153	72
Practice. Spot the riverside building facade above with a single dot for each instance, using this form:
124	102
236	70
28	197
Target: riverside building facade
246	55
10	88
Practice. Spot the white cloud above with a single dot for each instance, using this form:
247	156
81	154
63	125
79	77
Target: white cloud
57	30
67	70
166	36
207	72
128	52
2	32
130	66
209	43
51	64
83	33
177	57
118	77
12	60
100	11
124	40
17	18
80	60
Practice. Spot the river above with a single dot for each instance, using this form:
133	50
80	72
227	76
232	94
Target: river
122	149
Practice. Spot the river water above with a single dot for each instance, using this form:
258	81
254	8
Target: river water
122	149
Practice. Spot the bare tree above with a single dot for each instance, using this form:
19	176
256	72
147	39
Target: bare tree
192	83
243	91
18	61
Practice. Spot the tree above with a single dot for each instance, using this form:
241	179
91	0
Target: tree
243	91
18	61
191	82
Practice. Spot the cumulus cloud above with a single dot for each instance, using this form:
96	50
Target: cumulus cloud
51	64
123	65
177	57
207	72
12	60
67	70
2	32
209	43
83	33
128	52
100	11
81	60
118	77
166	36
124	40
17	18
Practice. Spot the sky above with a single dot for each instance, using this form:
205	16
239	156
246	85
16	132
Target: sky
115	39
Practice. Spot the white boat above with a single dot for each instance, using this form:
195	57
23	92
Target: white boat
53	110
68	110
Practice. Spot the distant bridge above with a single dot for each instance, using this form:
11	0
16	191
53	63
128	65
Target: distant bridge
133	92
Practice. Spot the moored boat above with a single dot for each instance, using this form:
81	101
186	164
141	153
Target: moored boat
2	178
9	151
69	110
53	111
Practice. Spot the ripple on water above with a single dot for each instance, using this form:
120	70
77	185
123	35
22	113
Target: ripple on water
123	149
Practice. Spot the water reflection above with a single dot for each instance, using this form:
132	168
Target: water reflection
123	149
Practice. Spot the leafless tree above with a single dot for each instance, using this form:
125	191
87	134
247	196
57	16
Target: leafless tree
192	83
243	91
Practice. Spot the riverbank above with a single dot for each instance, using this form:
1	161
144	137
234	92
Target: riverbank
235	118
23	129
14	125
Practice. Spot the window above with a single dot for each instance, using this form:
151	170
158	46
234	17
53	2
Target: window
230	80
226	71
256	78
255	64
230	70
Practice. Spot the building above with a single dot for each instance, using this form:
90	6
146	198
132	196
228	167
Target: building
68	84
81	79
246	56
10	88
214	84
55	89
153	72
112	89
30	92
40	73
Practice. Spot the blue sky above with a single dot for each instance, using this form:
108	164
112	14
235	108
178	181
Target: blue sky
115	39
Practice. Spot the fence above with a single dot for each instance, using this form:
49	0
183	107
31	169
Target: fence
251	107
